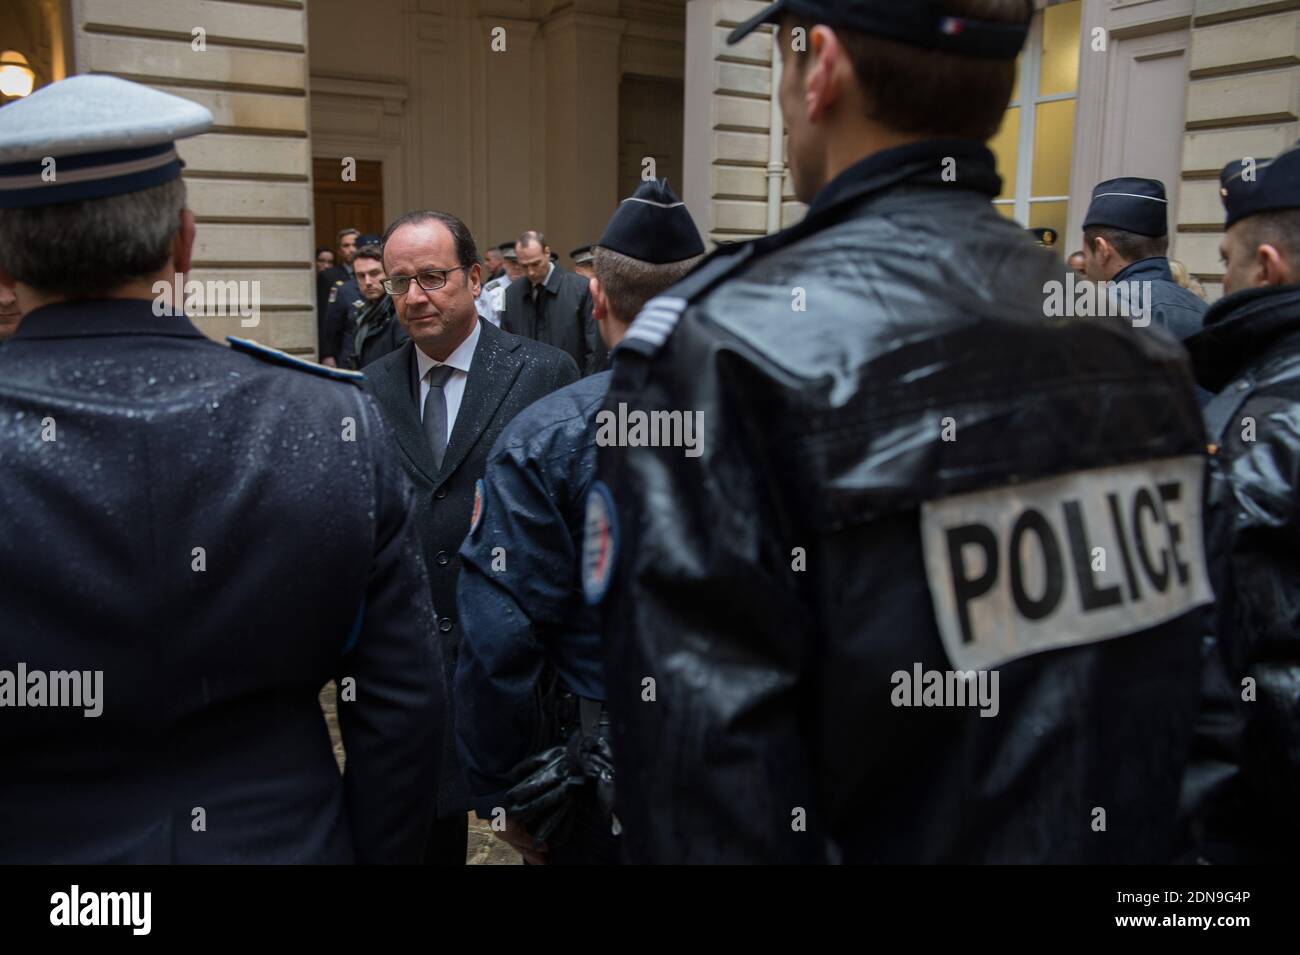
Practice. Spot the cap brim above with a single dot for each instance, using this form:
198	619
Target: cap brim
769	14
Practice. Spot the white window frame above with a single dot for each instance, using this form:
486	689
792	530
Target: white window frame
1028	101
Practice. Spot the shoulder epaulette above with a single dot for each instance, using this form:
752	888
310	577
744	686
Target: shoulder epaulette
277	357
654	323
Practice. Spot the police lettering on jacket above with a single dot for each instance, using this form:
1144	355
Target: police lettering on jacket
1069	560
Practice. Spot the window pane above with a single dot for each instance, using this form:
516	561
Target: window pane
1049	215
1060	69
1006	147
1053	142
1008	209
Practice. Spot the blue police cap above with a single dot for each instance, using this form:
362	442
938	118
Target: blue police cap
581	255
920	23
1130	205
106	137
652	225
1274	185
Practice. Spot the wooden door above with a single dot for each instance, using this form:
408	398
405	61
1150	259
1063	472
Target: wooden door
347	205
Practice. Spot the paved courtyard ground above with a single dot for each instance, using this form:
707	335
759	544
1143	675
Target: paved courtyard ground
484	848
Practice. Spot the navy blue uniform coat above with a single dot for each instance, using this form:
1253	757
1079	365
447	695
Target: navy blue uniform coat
128	442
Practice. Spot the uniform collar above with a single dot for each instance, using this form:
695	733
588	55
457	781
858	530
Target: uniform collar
1156	267
973	168
1241	329
86	318
460	359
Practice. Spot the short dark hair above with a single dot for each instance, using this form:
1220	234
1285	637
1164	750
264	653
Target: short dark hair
372	252
1280	229
925	92
1130	246
466	250
629	283
91	246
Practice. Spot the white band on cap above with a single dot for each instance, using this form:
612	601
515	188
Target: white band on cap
651	202
1131	195
89	174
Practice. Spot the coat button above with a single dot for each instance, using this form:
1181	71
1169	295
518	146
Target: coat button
439	494
442	558
445	624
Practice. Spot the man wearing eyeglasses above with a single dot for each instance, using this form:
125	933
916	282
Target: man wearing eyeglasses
447	394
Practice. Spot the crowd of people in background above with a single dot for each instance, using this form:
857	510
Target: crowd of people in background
355	320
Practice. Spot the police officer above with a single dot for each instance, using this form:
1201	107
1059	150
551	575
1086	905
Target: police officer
329	285
1248	354
159	547
345	296
526	624
1125	241
1044	237
583	257
859	613
494	290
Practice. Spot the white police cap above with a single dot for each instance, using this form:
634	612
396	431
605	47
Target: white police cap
107	136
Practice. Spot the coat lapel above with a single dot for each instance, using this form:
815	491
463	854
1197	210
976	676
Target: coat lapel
396	387
491	374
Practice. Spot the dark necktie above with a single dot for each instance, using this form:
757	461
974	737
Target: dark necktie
435	412
539	312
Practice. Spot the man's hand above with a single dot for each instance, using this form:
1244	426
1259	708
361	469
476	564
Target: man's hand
518	839
329	361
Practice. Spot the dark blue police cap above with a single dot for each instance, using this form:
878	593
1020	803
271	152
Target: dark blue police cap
1130	205
920	23
1273	186
652	225
581	255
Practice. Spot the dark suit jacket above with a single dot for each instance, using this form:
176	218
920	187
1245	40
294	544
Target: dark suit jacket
507	374
565	322
167	442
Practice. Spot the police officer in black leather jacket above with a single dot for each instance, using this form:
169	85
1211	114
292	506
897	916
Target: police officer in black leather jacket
922	583
1245	787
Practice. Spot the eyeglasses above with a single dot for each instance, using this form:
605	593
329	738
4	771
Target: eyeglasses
430	281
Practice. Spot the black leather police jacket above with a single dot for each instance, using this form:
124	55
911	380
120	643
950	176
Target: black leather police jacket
770	601
1249	788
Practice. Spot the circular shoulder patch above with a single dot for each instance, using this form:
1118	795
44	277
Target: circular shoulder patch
476	515
599	543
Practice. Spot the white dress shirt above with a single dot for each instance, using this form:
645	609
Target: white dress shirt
454	389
